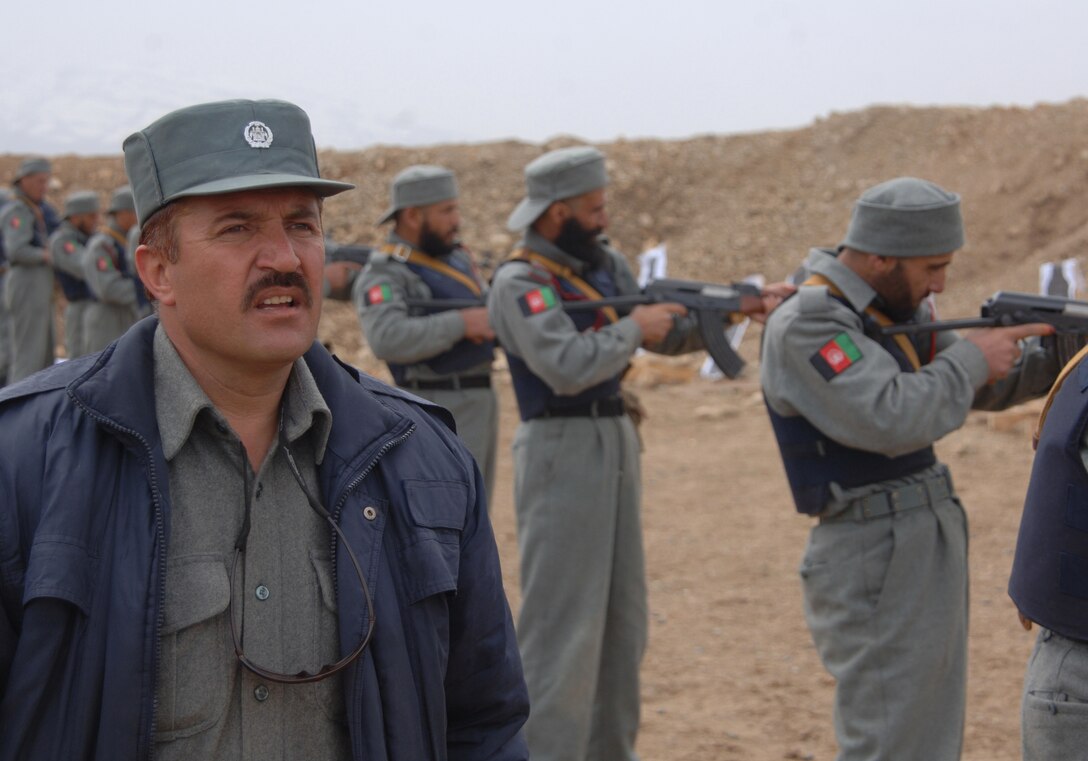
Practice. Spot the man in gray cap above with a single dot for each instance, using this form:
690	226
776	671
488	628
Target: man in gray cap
28	285
66	246
213	507
119	299
856	413
583	620
442	355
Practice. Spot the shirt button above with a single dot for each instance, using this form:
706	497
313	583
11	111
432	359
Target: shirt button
262	592
261	693
370	513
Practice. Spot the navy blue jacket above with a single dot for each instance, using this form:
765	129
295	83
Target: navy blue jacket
1049	581
84	524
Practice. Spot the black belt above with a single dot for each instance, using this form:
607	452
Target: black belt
611	407
455	383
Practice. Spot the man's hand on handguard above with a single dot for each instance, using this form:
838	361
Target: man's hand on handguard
656	320
1001	346
773	294
477	328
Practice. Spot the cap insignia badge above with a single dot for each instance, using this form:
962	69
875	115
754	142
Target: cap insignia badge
258	135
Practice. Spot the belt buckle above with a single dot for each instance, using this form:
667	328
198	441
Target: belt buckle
456	381
594	408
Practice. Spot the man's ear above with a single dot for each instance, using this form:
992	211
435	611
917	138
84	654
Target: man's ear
882	265
154	271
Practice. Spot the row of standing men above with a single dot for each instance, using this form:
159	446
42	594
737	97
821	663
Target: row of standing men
89	260
855	414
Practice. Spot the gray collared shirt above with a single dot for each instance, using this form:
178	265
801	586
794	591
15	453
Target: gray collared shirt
208	705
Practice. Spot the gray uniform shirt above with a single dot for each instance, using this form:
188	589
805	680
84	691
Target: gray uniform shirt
873	404
392	331
209	706
67	246
18	221
568	360
101	271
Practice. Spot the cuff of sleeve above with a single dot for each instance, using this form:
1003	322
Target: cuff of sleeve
971	358
631	332
451	326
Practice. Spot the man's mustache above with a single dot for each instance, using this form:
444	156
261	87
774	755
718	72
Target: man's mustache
278	280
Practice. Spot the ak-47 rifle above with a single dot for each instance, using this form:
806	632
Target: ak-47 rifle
1007	308
1068	316
711	304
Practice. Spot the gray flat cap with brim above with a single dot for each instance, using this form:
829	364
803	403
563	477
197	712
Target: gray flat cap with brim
555	176
906	217
122	200
223	147
33	165
80	202
420	185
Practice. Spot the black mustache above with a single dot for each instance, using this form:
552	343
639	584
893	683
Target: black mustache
279	280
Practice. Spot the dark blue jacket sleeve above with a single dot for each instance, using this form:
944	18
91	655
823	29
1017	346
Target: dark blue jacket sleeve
487	701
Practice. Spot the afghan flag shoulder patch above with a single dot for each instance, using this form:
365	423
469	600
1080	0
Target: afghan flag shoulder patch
835	356
69	247
537	301
378	294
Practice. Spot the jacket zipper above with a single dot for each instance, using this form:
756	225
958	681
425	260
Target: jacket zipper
339	507
160	534
353	731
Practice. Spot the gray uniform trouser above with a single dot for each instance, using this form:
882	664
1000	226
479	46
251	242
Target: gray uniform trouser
75	327
886	602
476	411
583	621
28	295
1054	713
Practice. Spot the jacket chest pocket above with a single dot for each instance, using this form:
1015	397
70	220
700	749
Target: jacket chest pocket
431	545
196	665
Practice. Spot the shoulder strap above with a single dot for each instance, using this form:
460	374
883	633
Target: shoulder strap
559	270
408	254
1054	392
881	319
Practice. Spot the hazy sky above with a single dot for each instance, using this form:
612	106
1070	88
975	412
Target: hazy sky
81	76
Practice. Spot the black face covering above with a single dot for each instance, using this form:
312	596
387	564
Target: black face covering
581	243
432	244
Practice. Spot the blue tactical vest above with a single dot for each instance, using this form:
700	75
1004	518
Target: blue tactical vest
534	396
813	461
463	355
1049	582
74	288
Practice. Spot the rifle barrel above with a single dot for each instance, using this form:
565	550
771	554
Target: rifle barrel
941	325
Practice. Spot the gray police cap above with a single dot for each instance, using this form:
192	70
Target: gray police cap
906	217
122	200
33	165
420	185
80	202
557	175
223	147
